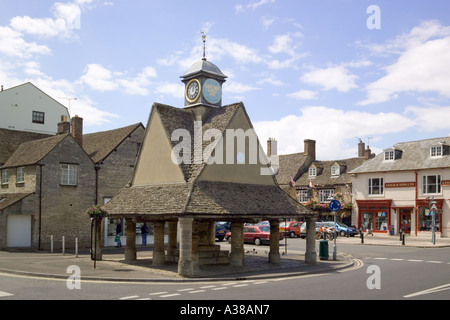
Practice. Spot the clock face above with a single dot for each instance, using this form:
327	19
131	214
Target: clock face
212	91
193	90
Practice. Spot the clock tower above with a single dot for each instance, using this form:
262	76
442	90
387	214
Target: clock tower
203	84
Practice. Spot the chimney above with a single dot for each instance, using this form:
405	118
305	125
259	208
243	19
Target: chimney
367	153
310	148
63	126
77	129
272	149
361	149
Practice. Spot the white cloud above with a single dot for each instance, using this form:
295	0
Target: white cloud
337	77
304	95
12	44
236	87
331	142
173	89
429	119
102	79
423	64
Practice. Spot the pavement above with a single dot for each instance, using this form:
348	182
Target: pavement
113	267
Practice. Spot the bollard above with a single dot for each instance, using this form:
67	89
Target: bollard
63	246
76	247
51	244
403	238
362	235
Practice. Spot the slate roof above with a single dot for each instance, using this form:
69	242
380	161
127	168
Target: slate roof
412	155
33	151
206	199
100	144
10	140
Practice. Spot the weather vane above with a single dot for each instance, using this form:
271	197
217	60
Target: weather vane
204	45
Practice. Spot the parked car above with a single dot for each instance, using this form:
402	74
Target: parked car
303	229
290	228
341	228
220	232
256	234
226	224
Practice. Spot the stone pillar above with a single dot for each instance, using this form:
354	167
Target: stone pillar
172	246
185	267
212	233
195	243
310	254
130	249
237	244
159	255
274	254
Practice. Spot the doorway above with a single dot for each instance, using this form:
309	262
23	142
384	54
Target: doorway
405	220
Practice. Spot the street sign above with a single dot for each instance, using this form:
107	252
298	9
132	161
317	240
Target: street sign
334	205
433	208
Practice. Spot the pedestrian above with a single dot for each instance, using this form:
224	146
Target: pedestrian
118	233
144	232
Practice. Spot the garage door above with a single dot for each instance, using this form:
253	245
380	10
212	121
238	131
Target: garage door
18	231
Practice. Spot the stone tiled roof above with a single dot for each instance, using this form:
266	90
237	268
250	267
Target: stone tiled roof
410	156
292	166
174	118
324	177
32	152
8	199
10	140
100	144
205	198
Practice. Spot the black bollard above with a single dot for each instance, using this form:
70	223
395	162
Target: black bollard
362	235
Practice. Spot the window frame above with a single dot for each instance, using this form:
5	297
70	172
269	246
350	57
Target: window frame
36	117
324	194
71	177
20	172
426	184
437	152
312	171
4	177
371	187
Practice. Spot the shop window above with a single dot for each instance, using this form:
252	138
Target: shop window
304	195
325	194
426	218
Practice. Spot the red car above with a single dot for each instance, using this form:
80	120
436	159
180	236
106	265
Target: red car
290	228
256	235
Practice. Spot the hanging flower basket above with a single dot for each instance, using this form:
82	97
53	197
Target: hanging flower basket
97	212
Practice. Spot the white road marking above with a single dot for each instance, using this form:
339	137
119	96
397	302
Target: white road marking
432	290
5	294
129	297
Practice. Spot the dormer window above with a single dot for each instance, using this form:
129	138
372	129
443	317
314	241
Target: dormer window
312	172
389	155
335	170
436	151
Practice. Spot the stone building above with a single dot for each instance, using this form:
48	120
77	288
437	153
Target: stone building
48	181
201	164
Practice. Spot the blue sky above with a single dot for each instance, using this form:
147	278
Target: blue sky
304	69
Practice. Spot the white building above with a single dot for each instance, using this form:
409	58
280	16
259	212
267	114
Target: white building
395	189
27	108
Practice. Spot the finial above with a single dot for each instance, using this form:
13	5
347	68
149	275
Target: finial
204	45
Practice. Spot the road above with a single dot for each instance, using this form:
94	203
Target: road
380	272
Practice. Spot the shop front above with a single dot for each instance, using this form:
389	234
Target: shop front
424	217
374	215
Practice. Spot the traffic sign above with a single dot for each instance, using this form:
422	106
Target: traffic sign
334	205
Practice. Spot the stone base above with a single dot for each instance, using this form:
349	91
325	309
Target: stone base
207	254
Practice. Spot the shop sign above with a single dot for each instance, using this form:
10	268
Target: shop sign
445	183
400	184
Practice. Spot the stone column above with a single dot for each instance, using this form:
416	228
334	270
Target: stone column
159	255
310	254
185	267
237	244
172	246
130	249
195	243
212	233
274	254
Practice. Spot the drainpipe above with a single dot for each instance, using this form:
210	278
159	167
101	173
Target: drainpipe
97	168
416	216
40	205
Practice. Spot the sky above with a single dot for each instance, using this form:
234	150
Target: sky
336	71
